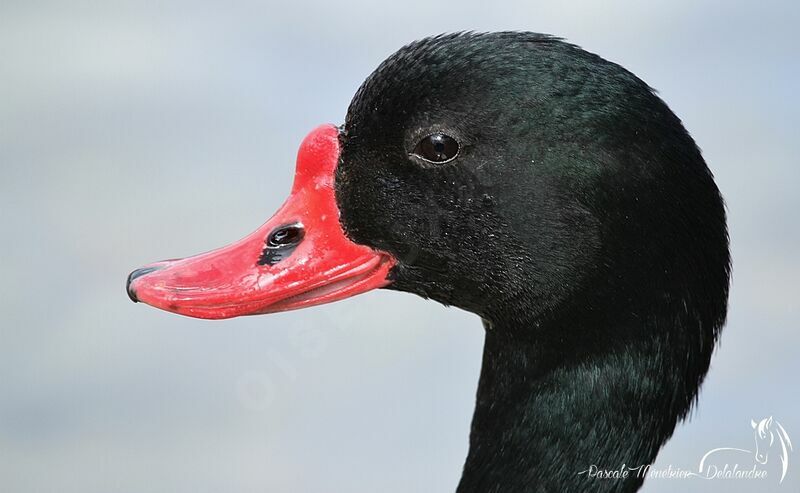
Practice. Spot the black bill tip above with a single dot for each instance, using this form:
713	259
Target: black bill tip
135	275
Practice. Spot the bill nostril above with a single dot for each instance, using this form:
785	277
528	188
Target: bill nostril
135	275
281	243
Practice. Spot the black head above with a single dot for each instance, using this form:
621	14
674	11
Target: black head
537	185
572	185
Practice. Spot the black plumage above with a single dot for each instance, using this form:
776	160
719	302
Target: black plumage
578	220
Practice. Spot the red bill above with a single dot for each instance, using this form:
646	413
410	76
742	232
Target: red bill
300	257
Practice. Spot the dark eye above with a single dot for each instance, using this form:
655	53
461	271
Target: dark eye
437	148
285	236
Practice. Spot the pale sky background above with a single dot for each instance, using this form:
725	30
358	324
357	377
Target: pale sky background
135	131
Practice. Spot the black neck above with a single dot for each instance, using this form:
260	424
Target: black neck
548	408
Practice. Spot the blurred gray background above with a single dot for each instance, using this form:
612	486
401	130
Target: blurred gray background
136	131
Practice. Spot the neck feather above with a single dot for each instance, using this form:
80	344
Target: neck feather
548	408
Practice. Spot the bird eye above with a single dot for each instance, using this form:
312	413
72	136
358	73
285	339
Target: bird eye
437	148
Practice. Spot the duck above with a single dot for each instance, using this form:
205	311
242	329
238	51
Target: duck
546	190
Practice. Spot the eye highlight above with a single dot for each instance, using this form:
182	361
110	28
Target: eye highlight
437	148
